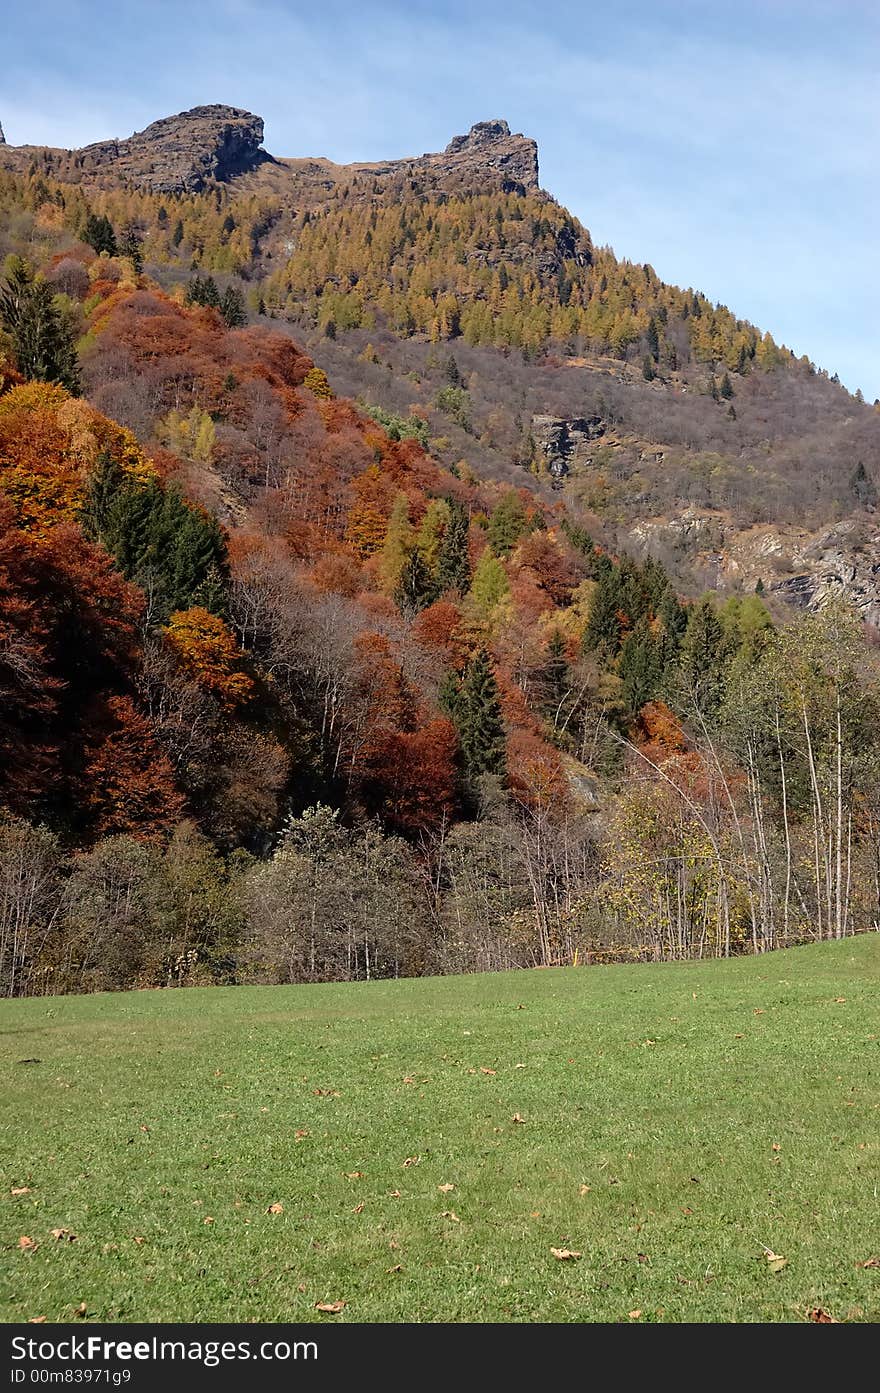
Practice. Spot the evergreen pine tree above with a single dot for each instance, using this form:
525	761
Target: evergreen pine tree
701	660
42	342
130	246
232	308
862	487
641	666
416	587
174	551
453	562
555	672
652	339
100	235
480	721
202	290
603	631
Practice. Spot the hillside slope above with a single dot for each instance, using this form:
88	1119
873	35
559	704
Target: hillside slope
392	271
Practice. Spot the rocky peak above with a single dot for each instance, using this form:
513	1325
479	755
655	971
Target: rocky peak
180	153
483	133
490	150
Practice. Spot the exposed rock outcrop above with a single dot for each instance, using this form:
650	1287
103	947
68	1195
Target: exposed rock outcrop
805	569
489	148
565	441
178	154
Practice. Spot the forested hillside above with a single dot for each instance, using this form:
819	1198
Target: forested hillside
322	657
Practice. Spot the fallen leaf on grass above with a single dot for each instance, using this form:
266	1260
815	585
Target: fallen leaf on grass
840	1001
394	1194
59	1234
27	1245
451	1215
136	1238
332	1308
359	1208
565	1254
355	1175
584	1189
276	1208
776	1146
820	1317
398	1268
519	1066
409	1079
487	1071
301	1134
687	1209
445	1189
326	1093
517	1117
81	1311
775	1261
635	1315
36	1320
20	1190
869	1262
411	1161
208	1219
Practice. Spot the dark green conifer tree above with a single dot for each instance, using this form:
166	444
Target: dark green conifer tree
479	720
131	246
603	631
555	673
417	587
640	666
453	561
41	340
100	235
702	657
232	308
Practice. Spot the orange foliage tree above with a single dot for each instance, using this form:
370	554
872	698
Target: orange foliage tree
207	649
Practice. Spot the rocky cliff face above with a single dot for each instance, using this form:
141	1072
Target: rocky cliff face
178	154
181	154
490	149
564	442
805	569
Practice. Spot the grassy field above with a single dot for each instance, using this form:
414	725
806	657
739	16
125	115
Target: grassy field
245	1153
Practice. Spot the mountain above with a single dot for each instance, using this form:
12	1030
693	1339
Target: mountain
183	153
708	443
356	529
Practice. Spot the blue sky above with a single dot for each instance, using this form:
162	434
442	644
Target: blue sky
732	145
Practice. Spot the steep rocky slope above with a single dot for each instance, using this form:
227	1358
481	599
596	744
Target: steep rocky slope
182	153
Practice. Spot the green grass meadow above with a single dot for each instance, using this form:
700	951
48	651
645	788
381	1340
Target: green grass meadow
678	1124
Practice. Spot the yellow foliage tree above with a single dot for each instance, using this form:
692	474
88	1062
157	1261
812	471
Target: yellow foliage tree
208	651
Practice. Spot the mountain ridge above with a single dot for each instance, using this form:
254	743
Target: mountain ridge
184	152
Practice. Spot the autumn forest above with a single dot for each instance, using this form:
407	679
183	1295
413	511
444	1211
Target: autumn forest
298	683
